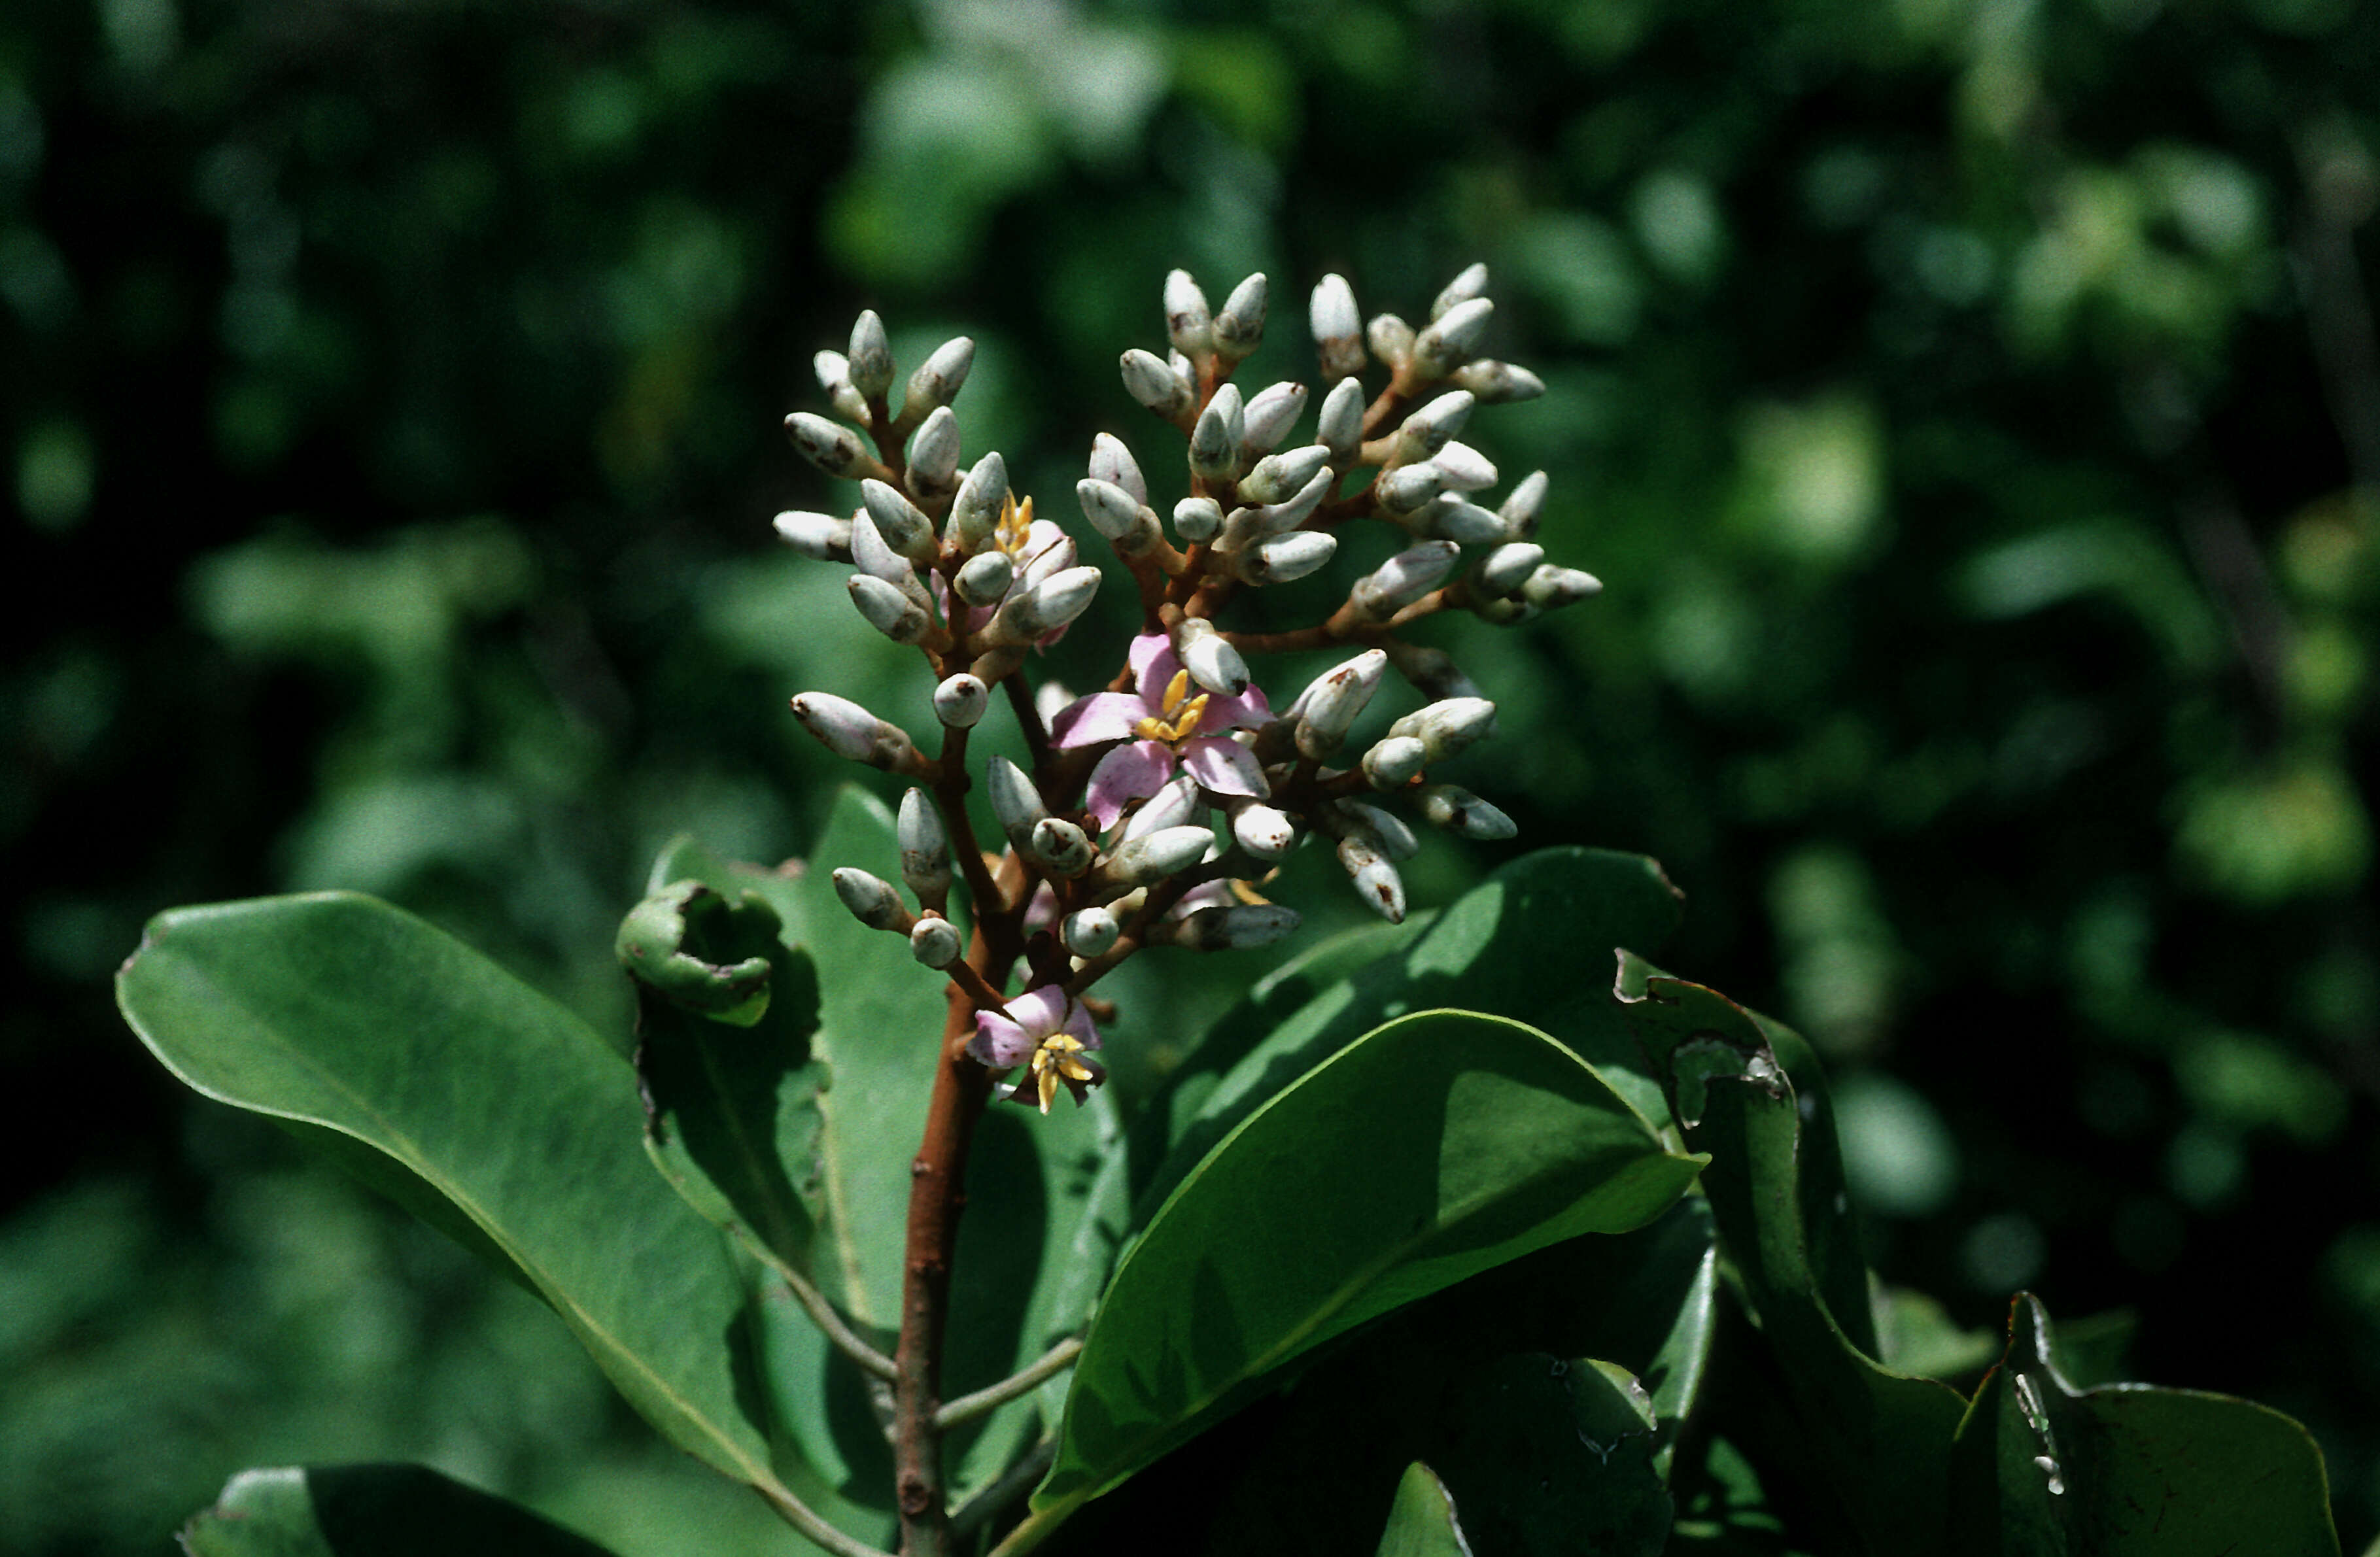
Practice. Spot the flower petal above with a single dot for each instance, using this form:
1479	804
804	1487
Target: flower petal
1224	766
1000	1043
1249	710
1102	716
1039	1011
1080	1026
1128	773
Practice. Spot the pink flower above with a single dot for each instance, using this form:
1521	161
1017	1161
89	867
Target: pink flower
1047	1031
1036	547
1164	723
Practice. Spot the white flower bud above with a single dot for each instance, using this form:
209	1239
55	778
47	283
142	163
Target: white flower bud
1406	487
1404	578
1448	726
1466	524
985	578
1550	587
1240	326
872	556
1523	505
1111	511
1392	763
974	512
934	453
1279	476
1265	832
1043	607
871	899
959	701
1282	558
1338	327
870	359
1014	800
1188	323
1327	707
1294	510
1232	928
934	941
1467	469
1340	425
925	848
1508	567
833	369
1270	413
1498	384
1426	430
848	730
1209	658
1394	836
1176	805
1449	341
936	382
1471	282
833	448
1459	810
1376	878
1050	699
1432	672
1198	518
1391	339
1047	562
1058	847
1112	461
1212	453
888	610
1152	381
1148	859
1090	931
815	535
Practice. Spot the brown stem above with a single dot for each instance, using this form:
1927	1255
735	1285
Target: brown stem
937	1196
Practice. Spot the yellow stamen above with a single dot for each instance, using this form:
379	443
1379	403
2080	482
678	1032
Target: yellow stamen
1015	524
1176	690
1055	1059
1181	714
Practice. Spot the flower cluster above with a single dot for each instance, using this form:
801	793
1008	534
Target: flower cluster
1113	843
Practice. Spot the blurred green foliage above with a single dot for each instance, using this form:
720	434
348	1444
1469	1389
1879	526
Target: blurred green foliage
1974	407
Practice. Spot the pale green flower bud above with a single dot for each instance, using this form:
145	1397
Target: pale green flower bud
871	899
936	382
1198	518
1459	810
870	358
1263	831
1391	339
925	848
1394	836
1327	707
1270	413
1340	426
1238	329
1406	487
833	371
1238	927
1059	847
1498	384
960	700
1188	323
1209	658
874	557
1467	469
1392	763
1176	805
815	535
1111	511
887	609
1404	578
1550	587
974	512
1448	726
833	448
1338	328
1152	381
1014	800
1447	343
1507	567
1522	507
985	578
848	730
1471	282
1284	558
1043	607
1148	859
934	453
1376	878
1427	430
1089	933
1112	461
1466	524
934	941
1278	477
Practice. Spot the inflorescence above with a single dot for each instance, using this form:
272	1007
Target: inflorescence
1112	838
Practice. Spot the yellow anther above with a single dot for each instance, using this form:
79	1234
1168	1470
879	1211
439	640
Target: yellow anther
1055	1059
1176	690
1015	524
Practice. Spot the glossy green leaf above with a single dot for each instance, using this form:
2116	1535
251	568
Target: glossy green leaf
370	1511
1549	1454
2127	1470
347	1014
1526	943
1437	1147
1873	1446
1421	1522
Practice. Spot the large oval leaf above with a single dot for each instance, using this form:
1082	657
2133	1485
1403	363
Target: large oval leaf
370	1511
344	1013
1432	1149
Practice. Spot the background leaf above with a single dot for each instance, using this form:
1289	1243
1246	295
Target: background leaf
1440	1146
1422	1521
342	1011
371	1511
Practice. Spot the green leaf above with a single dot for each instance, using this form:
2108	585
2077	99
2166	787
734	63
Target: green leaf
2129	1471
1556	1455
1490	951
1437	1147
1421	1520
1872	1446
344	1013
370	1511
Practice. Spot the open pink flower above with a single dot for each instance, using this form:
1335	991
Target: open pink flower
1047	1032
1165	723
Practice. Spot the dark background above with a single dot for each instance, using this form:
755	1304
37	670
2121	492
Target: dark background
1972	406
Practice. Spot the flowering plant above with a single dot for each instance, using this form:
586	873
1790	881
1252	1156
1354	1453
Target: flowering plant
1494	1202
